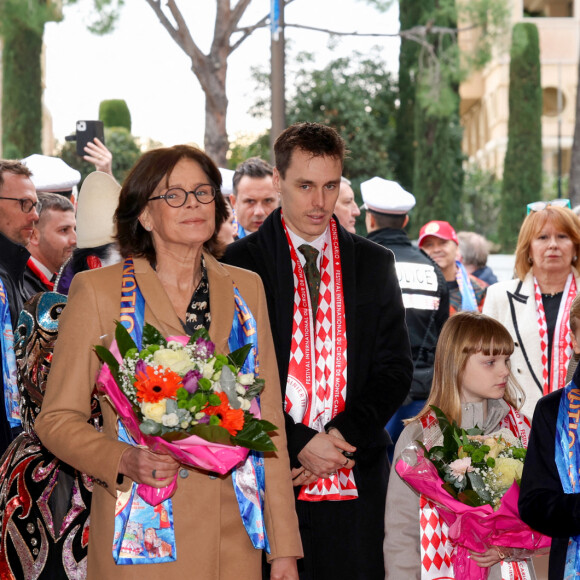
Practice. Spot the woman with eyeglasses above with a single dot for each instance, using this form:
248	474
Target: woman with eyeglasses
535	306
169	214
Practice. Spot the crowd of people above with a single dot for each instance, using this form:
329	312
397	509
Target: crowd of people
360	340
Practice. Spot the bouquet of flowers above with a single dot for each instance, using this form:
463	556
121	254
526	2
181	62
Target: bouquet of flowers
472	480
477	469
177	396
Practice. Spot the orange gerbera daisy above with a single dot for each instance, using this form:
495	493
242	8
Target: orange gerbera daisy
230	419
152	387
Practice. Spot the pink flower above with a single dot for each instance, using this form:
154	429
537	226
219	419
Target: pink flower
460	467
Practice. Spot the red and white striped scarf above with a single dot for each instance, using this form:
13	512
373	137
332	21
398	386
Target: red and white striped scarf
316	387
561	341
436	549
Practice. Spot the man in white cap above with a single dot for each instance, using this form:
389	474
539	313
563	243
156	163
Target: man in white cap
52	242
254	197
346	208
425	294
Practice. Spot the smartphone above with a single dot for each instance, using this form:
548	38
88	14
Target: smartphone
86	132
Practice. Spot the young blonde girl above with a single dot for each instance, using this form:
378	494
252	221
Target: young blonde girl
472	385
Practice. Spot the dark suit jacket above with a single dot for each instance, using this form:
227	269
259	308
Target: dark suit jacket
543	504
379	367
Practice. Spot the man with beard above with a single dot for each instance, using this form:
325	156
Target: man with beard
18	215
52	242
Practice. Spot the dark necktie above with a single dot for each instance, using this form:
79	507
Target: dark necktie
312	274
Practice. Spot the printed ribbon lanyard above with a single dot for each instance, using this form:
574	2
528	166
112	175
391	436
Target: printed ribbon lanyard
11	396
144	534
567	458
249	478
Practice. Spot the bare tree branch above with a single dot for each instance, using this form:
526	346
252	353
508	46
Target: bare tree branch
415	31
180	35
248	30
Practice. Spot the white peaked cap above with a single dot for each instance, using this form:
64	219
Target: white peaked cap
384	196
51	174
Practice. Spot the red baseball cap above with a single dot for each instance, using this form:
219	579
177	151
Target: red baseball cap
438	229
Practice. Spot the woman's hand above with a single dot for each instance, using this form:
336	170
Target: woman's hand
99	156
284	569
143	466
491	556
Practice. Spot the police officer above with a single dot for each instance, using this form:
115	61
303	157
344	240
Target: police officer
424	290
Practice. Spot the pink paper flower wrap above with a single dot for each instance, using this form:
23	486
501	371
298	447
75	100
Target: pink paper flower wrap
192	451
472	528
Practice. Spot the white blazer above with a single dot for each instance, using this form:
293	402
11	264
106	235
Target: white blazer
512	303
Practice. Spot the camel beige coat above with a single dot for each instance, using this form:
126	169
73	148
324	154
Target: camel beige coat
211	540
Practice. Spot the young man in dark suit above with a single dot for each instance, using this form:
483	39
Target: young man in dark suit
343	354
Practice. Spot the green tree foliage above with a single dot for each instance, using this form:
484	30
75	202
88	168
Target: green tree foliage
22	27
115	113
409	16
355	95
522	178
244	147
480	202
438	173
120	143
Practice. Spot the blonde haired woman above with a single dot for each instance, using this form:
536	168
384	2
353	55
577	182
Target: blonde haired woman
535	306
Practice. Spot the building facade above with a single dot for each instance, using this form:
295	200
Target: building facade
484	96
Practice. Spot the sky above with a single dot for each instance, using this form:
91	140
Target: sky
140	62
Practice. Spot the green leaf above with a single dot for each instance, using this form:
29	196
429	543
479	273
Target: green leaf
152	336
200	333
253	436
266	425
107	357
238	357
212	433
256	389
124	340
470	497
478	486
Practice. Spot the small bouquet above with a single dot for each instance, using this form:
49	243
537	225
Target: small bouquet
177	396
477	469
473	482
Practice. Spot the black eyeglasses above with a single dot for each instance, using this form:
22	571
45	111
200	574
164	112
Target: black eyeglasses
26	205
177	196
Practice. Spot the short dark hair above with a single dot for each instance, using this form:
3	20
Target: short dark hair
54	202
144	177
314	138
12	166
252	167
389	220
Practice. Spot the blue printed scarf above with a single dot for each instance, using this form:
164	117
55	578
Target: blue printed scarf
567	456
11	396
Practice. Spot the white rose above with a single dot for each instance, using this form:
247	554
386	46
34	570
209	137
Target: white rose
154	411
208	369
170	420
176	360
246	379
245	404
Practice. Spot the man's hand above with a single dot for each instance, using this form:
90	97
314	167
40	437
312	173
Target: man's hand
301	476
322	455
